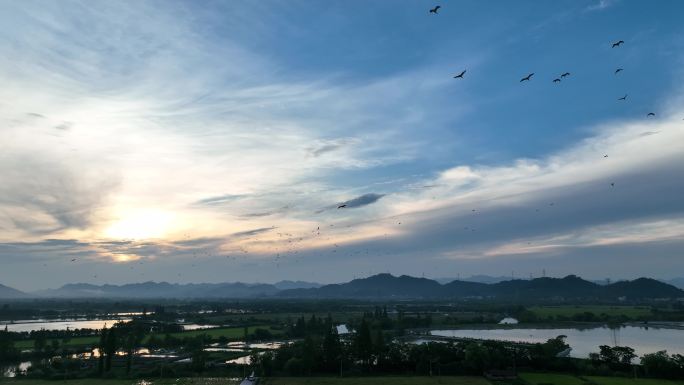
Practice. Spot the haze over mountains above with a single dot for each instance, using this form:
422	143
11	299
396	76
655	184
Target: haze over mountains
381	286
8	292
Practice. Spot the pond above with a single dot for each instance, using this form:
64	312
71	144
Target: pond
71	324
29	325
584	341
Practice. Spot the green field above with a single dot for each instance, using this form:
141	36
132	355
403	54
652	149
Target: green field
613	311
230	333
169	381
550	378
375	381
76	341
271	381
628	381
564	379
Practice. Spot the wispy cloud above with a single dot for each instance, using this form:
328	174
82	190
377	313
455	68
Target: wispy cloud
363	200
601	5
249	233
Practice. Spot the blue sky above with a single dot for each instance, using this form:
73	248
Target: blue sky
213	141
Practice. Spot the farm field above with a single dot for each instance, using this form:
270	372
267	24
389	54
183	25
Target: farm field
565	379
569	311
389	380
229	333
90	381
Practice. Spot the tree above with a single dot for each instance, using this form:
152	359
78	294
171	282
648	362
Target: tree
110	346
133	337
39	341
364	344
660	364
616	357
331	347
7	349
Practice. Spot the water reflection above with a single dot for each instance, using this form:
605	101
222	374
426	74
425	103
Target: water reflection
16	370
28	325
585	341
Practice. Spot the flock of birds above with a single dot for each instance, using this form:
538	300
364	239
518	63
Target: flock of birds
529	76
287	245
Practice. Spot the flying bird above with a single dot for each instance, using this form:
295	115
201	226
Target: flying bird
618	43
527	78
557	80
618	70
612	184
605	156
460	76
651	114
73	260
623	98
435	9
341	206
565	74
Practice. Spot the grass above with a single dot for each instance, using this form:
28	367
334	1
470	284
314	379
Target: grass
230	333
90	381
236	333
629	381
550	378
564	379
75	341
374	381
613	311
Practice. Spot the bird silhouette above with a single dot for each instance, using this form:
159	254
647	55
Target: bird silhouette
341	206
605	156
623	98
460	76
612	184
527	78
565	74
618	70
435	9
556	80
651	114
618	43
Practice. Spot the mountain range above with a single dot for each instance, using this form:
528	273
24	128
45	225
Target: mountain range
8	292
386	286
381	286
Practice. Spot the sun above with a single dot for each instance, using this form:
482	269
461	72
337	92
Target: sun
141	224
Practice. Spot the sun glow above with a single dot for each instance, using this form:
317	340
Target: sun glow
143	224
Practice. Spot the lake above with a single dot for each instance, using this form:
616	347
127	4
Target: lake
584	341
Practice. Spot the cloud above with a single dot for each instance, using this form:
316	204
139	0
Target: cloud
327	146
41	195
64	126
249	233
363	200
219	200
601	5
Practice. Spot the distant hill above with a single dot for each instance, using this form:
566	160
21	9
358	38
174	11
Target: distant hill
7	292
377	286
474	278
381	286
642	288
386	286
161	290
678	282
287	285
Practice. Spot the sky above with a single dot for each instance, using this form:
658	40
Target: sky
214	141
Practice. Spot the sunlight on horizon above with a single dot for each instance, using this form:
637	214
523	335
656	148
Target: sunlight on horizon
142	224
